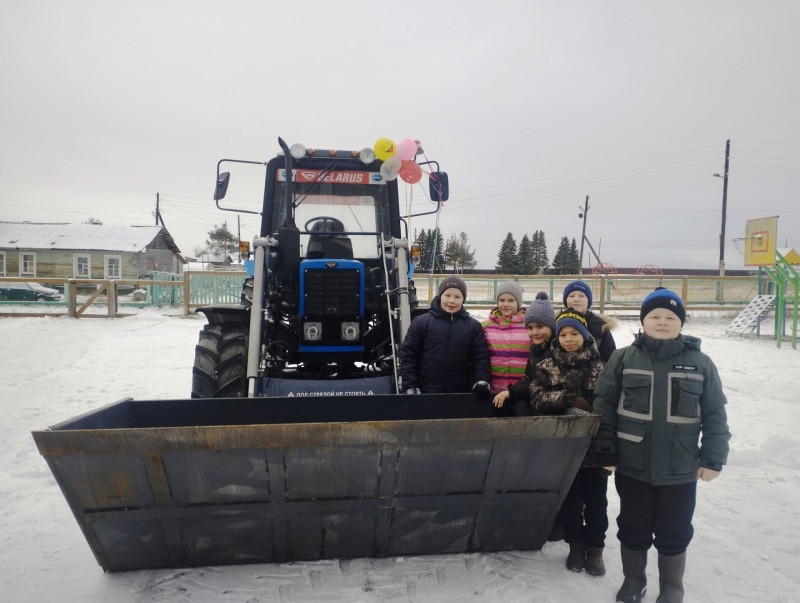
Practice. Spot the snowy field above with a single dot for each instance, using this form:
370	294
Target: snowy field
747	524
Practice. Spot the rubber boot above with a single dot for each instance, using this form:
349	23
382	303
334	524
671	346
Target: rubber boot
576	560
594	561
634	565
670	578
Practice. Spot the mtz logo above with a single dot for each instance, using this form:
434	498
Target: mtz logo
377	178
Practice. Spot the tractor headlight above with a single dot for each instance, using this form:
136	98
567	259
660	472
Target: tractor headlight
312	331
297	150
366	155
350	331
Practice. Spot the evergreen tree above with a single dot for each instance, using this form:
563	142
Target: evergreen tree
507	256
574	258
221	241
540	261
525	257
424	263
435	235
458	253
468	260
428	260
561	261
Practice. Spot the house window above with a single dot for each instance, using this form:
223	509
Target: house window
113	266
27	264
83	266
2	263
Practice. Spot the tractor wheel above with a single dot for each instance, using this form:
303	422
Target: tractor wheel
220	362
247	292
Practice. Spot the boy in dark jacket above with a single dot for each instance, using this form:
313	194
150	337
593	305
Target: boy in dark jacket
540	323
578	297
657	397
562	382
445	351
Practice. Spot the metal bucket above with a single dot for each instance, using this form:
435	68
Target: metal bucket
219	481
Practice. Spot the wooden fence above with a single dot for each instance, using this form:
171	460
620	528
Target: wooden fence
613	294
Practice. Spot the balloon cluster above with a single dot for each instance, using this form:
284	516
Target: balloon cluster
398	159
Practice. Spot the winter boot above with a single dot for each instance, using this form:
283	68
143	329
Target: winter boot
594	561
576	560
634	564
670	578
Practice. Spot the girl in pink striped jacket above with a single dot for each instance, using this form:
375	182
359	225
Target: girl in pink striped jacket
507	337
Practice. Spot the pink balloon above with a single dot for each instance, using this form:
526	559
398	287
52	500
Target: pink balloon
406	149
410	172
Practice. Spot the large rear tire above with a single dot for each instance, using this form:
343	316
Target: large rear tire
220	362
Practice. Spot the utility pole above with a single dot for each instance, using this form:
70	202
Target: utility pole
724	209
583	232
159	219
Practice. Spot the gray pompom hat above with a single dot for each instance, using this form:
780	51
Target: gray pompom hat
541	311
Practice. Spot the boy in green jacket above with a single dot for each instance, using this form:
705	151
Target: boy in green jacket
657	397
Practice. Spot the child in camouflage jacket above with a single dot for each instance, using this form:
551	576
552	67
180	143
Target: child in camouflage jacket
562	382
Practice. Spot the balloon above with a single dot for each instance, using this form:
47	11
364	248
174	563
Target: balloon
384	148
395	163
387	172
391	167
406	149
410	172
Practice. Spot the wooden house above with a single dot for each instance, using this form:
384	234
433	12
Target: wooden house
96	251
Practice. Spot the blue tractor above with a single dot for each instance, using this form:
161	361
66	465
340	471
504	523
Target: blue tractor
329	296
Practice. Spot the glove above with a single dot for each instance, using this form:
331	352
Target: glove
579	402
706	474
413	391
481	391
606	460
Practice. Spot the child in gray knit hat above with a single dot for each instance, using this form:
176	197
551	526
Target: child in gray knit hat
540	324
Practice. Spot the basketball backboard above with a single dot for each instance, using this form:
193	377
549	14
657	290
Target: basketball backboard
761	235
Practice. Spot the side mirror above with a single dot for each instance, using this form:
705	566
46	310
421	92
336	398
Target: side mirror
438	186
222	185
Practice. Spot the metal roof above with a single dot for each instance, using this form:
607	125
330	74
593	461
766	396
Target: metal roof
90	237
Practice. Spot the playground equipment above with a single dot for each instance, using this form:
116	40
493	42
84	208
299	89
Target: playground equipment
778	281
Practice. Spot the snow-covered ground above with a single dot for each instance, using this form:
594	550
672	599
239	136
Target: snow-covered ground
747	538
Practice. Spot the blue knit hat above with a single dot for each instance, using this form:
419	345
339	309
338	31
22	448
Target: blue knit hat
578	286
568	318
663	298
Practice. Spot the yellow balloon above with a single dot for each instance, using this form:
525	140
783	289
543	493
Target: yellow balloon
384	148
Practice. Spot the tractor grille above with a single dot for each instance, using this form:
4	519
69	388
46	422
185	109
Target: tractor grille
332	292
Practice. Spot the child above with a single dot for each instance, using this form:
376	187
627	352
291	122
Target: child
540	324
578	297
656	397
506	337
566	380
444	350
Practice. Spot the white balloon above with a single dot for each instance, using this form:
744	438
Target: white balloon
387	172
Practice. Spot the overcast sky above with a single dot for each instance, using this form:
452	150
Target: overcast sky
529	106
